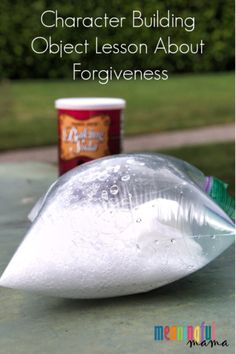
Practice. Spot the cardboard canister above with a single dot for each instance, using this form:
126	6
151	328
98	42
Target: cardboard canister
88	128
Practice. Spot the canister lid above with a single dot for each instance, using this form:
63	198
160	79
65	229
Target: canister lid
91	103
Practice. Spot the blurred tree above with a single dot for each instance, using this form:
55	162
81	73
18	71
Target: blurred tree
20	23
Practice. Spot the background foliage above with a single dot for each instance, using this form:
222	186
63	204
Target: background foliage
20	23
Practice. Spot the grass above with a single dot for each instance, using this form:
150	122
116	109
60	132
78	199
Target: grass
214	160
28	118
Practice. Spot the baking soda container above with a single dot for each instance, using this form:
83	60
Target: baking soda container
88	128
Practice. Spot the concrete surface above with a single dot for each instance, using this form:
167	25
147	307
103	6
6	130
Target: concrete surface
34	324
147	142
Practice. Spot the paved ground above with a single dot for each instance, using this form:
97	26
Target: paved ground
147	142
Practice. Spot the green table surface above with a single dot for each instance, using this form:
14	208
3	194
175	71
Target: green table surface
37	324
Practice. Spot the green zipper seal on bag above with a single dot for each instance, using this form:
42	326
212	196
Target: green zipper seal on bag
219	193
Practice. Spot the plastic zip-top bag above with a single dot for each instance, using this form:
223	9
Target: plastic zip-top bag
121	225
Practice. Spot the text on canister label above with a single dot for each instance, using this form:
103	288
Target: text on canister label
88	138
